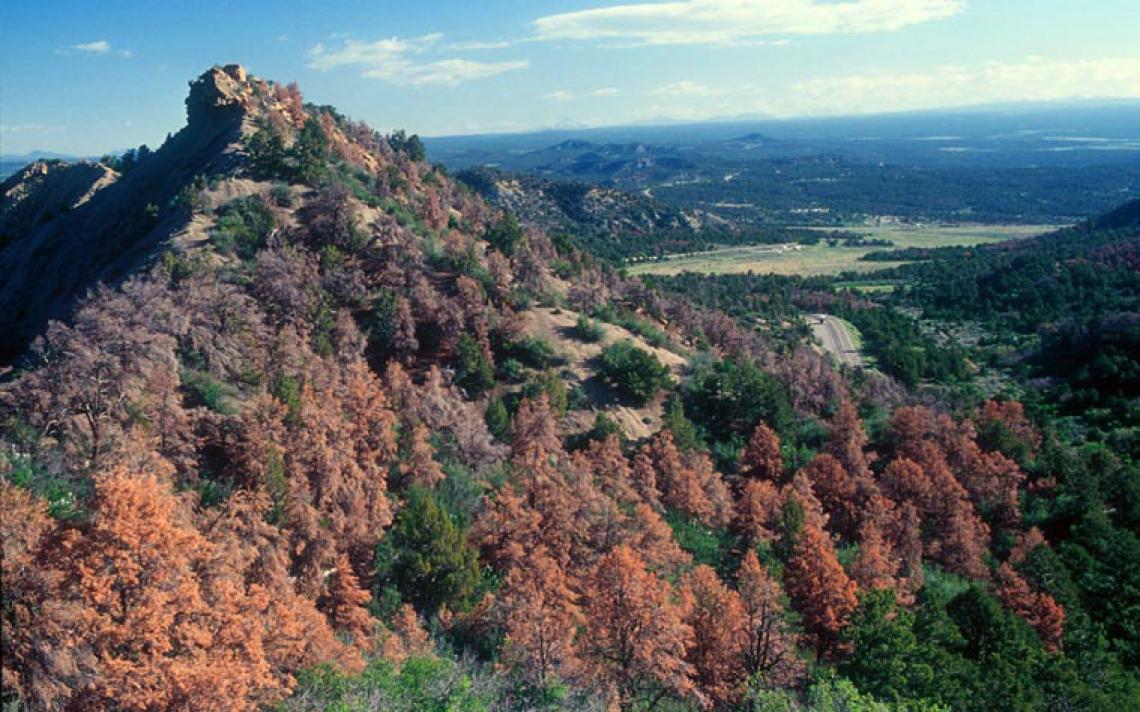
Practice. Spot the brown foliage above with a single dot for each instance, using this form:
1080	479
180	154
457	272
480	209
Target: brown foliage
1038	609
820	589
635	638
761	459
541	616
757	512
717	617
769	645
837	491
346	602
875	567
139	611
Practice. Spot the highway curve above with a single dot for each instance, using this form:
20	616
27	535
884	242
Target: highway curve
835	339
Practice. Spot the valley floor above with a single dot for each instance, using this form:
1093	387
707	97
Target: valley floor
822	259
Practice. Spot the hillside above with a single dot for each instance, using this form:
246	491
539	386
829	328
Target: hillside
608	222
295	420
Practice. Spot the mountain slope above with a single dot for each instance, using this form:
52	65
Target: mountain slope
55	252
608	222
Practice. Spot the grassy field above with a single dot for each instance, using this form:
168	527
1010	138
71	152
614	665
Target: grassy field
810	260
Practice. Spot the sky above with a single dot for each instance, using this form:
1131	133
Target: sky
88	77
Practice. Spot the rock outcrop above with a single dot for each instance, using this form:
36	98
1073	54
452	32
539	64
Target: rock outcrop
65	227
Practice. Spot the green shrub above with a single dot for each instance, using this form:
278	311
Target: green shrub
553	385
425	559
205	390
535	352
727	399
634	372
473	370
497	417
505	235
588	330
242	227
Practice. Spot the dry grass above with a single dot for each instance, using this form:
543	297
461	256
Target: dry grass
812	260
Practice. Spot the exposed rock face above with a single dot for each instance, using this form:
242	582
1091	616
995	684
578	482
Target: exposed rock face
66	227
44	189
219	95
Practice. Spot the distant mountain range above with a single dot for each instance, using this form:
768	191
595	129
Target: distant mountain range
1016	163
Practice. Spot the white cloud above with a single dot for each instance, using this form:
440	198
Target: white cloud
461	46
96	47
30	127
728	22
563	96
402	61
686	88
1031	79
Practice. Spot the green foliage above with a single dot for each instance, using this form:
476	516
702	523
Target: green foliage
178	267
884	660
401	142
588	330
505	235
727	399
280	195
63	496
789	527
685	434
634	372
421	684
535	352
473	370
632	322
900	348
425	558
1104	562
306	161
287	389
712	547
497	417
383	322
129	160
205	390
553	385
604	426
242	227
310	153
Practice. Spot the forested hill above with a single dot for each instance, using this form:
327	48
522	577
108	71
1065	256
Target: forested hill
320	429
609	223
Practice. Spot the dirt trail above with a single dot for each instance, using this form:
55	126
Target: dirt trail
835	338
557	327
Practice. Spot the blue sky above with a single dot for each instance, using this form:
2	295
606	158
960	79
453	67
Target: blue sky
86	77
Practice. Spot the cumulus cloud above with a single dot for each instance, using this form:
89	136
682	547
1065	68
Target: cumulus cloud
728	22
407	61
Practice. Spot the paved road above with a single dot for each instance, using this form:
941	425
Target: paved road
835	338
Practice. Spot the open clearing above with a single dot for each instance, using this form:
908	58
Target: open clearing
812	260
